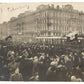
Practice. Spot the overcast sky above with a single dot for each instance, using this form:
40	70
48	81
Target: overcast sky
8	10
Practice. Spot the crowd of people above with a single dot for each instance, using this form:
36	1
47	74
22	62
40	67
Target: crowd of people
39	62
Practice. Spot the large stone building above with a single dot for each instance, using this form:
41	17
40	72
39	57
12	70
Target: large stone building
46	20
59	21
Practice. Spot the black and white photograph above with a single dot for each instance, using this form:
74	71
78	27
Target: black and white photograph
42	42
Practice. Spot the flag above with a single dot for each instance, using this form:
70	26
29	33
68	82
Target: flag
72	35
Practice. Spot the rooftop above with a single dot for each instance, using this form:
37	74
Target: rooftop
68	8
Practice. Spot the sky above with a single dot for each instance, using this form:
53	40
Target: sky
8	10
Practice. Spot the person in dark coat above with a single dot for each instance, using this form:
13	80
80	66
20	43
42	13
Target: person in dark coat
26	68
82	62
16	76
35	65
76	64
51	72
43	66
76	60
61	73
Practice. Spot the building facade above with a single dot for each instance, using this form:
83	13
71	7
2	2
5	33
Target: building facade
45	21
59	21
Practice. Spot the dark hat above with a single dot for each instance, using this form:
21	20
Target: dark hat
8	37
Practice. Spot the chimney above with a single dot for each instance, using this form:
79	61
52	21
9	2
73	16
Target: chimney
58	7
52	5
